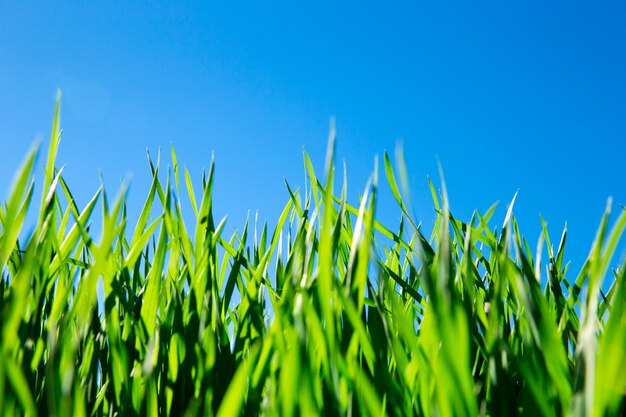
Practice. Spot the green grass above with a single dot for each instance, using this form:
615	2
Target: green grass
325	312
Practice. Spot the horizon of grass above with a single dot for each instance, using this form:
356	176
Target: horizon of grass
326	312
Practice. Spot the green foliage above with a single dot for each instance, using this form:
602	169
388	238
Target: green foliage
327	312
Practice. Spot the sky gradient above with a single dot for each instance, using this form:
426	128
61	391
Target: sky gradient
506	95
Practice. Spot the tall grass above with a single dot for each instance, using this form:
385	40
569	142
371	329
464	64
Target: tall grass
325	312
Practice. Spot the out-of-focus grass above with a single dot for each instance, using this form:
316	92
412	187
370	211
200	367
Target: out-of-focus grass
326	312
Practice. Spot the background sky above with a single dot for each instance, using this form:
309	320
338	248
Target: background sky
507	95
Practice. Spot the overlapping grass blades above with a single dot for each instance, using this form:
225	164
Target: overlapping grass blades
325	312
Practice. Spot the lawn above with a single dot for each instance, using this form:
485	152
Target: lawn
324	312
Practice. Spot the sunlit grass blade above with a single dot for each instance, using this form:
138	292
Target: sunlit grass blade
15	207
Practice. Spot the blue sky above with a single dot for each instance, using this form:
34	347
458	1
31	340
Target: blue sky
507	95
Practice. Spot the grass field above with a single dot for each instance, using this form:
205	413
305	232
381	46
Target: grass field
325	312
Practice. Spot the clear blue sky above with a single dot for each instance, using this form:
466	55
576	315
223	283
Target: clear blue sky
508	95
